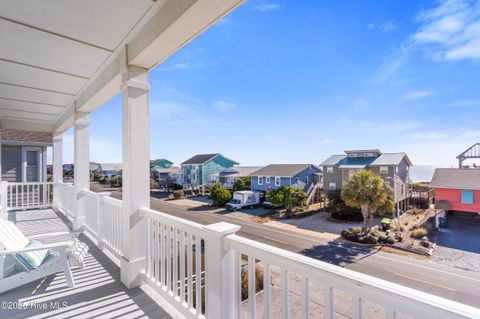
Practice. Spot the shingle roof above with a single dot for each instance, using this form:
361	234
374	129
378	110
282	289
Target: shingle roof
25	136
240	170
332	160
358	162
283	169
111	166
200	158
391	159
456	178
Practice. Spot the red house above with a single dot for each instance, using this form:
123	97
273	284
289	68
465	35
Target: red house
459	187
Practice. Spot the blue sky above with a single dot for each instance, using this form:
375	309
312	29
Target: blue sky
296	81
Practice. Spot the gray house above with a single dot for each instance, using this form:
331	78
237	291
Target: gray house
392	167
24	155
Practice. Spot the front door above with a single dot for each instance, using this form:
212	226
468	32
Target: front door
32	159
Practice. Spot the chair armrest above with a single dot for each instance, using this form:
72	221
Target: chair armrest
72	233
54	246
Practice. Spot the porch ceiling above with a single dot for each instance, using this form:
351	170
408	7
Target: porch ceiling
58	57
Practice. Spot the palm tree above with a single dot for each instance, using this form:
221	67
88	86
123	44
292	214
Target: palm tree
368	192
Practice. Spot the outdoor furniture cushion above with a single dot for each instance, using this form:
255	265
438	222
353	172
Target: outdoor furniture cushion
33	259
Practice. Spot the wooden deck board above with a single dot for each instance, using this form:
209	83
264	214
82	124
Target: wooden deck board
98	293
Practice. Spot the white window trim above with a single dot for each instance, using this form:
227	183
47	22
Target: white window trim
306	179
368	155
383	170
352	155
267	180
40	155
277	181
329	169
260	180
332	186
296	180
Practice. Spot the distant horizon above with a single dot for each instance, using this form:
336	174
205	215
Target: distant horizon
295	82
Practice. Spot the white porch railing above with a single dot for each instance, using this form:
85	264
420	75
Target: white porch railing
197	271
30	195
66	198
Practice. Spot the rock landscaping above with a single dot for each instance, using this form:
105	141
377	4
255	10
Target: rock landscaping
416	232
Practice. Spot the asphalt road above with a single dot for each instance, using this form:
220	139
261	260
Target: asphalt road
422	274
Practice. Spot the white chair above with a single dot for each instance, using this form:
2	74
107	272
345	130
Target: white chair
32	256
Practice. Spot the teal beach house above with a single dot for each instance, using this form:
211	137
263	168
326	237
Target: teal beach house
198	170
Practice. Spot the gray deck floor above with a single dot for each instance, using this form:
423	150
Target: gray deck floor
98	293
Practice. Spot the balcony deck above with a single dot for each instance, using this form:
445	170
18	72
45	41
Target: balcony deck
98	293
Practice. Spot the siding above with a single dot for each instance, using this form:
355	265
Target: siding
216	165
11	163
454	199
309	172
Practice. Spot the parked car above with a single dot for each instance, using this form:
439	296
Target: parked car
243	199
269	205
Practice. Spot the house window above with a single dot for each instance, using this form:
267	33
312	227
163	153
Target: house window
332	186
353	155
368	154
306	179
277	181
32	166
267	180
396	169
383	169
329	169
296	180
467	196
260	180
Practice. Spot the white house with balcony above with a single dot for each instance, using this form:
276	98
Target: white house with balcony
60	61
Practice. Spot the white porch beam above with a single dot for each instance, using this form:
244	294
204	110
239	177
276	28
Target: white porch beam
57	166
135	172
81	163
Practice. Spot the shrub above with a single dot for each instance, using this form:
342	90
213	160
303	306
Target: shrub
394	225
367	240
153	184
220	195
258	281
242	184
178	194
356	230
390	240
374	232
419	233
97	177
348	235
288	196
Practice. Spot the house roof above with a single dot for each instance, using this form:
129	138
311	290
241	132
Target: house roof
168	170
342	161
375	150
159	160
355	162
391	159
456	178
111	166
283	169
22	136
202	158
240	170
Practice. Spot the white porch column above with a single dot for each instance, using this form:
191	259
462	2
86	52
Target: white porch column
135	172
81	164
57	166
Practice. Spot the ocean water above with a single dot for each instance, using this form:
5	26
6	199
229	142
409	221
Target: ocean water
422	173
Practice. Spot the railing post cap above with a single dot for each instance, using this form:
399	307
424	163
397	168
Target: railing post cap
222	228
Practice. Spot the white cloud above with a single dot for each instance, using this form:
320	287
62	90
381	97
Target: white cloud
224	106
362	102
416	95
450	31
397	58
185	66
387	27
430	136
470	134
464	103
267	7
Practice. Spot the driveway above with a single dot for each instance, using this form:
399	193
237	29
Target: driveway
459	244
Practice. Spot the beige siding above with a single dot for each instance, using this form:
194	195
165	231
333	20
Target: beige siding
11	163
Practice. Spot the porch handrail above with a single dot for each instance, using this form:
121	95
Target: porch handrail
25	195
393	297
